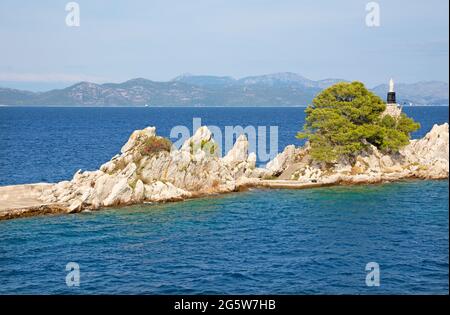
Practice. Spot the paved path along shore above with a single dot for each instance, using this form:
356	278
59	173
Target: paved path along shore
289	184
22	200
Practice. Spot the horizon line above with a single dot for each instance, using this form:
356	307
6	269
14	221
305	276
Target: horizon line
103	81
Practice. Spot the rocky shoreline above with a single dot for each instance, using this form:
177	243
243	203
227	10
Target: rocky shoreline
148	170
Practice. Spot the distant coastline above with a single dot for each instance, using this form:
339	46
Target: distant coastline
272	90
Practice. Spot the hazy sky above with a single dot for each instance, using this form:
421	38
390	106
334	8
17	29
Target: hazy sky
158	40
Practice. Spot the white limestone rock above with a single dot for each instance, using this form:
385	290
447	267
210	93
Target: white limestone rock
257	172
128	171
434	146
75	206
121	193
159	191
201	141
139	191
108	167
136	136
282	160
251	160
238	153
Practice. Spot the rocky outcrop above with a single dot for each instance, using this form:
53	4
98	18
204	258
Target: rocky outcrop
430	154
239	162
137	136
141	173
149	170
282	160
427	158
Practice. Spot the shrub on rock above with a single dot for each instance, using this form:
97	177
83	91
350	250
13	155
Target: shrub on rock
154	145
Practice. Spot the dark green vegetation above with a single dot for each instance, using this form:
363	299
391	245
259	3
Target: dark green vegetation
154	145
345	118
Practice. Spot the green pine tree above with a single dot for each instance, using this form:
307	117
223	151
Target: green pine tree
344	118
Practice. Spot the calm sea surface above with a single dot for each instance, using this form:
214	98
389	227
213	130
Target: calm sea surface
261	241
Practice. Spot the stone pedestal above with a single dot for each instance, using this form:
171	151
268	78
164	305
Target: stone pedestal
393	110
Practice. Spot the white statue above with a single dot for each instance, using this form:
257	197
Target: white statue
391	85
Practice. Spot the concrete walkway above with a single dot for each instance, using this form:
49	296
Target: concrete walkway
22	201
289	184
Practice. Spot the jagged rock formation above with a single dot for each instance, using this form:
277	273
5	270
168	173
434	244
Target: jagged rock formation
148	170
427	158
137	175
430	154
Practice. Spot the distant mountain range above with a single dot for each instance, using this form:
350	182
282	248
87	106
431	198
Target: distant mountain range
280	89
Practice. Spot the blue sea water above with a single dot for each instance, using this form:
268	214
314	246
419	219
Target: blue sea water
50	144
261	241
